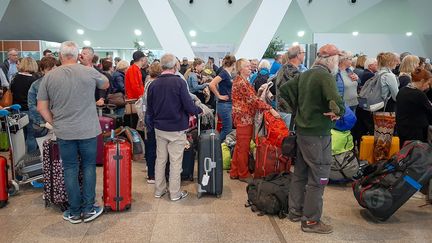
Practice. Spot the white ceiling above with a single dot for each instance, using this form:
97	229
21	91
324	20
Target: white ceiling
110	24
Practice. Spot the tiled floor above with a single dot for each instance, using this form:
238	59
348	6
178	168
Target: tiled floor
209	219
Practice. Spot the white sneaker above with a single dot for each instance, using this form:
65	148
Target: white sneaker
151	181
183	194
160	195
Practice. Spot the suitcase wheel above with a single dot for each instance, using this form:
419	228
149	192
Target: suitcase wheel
107	209
3	203
13	188
199	195
64	206
219	195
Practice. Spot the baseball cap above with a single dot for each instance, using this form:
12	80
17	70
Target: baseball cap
328	50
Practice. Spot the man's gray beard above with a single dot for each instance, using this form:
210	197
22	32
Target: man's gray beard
335	70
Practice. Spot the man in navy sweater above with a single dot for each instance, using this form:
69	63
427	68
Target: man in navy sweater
168	107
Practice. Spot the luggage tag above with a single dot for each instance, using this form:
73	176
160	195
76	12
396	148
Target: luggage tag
205	180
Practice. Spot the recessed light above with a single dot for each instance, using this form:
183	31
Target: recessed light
193	43
192	33
300	33
141	43
80	31
355	33
137	32
87	43
295	43
408	33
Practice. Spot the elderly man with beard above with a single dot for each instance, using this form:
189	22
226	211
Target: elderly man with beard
317	104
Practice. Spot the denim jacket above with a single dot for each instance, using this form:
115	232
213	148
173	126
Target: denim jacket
193	84
34	115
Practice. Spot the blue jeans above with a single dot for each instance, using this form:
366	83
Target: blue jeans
150	152
225	112
69	151
119	111
30	139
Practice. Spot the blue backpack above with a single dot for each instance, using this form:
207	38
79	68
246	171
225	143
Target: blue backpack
346	122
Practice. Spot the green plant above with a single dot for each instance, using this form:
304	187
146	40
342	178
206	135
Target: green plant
137	46
274	47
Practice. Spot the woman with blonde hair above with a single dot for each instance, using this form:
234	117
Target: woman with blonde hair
360	65
194	79
414	110
19	87
408	65
387	61
245	105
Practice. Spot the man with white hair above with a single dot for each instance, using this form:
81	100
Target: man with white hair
371	67
10	65
66	100
168	108
316	102
296	55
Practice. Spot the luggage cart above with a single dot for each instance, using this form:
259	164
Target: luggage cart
25	167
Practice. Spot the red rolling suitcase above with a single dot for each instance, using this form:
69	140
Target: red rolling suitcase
3	182
107	124
117	192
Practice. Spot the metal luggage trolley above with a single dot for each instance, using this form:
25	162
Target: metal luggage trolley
25	167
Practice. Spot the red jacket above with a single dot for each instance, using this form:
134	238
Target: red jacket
134	87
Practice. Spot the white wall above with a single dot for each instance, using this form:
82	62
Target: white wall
372	44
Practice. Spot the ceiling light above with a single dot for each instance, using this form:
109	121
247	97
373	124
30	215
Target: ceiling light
408	33
300	33
87	43
192	33
137	32
80	31
193	43
141	43
295	43
355	33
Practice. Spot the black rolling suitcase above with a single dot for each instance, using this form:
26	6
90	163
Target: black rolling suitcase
188	165
210	169
387	185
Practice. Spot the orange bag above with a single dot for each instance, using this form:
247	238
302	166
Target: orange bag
276	129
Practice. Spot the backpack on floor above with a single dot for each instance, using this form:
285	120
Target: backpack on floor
344	166
269	195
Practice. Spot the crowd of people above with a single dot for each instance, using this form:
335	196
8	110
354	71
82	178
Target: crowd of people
62	95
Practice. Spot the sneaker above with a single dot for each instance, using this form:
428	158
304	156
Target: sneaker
151	180
92	215
293	217
160	195
316	227
183	194
72	219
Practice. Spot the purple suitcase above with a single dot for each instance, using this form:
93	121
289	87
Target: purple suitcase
107	124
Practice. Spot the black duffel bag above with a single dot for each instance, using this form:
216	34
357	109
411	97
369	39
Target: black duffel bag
387	185
269	195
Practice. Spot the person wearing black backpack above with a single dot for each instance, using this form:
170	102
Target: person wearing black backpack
262	76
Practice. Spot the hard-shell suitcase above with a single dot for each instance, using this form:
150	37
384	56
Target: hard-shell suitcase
210	168
188	165
117	190
387	185
3	182
54	185
367	148
107	124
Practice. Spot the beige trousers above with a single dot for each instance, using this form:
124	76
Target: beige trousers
170	144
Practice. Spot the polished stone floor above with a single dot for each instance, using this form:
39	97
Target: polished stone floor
208	219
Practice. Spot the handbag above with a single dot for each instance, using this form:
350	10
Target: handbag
6	100
117	99
130	107
289	143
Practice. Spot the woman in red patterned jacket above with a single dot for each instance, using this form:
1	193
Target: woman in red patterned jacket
245	105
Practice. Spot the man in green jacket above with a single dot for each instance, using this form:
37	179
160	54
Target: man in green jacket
317	104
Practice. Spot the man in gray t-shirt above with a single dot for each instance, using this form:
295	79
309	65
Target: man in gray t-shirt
66	100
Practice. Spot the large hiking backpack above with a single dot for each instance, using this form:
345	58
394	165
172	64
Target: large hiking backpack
269	195
387	185
370	96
